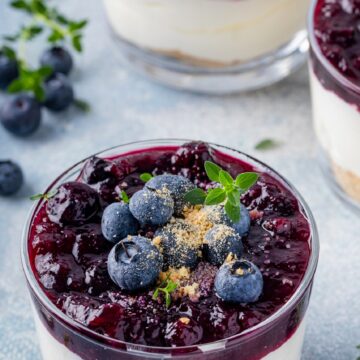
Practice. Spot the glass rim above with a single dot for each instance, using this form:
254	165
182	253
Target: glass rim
314	46
119	344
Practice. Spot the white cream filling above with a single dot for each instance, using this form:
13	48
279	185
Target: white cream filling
223	31
337	126
51	349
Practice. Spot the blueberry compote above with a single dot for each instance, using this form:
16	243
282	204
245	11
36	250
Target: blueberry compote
69	259
337	31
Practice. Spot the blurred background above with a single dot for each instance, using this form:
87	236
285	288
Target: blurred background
126	107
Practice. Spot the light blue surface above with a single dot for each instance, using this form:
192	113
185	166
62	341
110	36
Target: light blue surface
125	108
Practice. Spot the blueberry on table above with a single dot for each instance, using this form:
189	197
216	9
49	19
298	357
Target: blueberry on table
21	115
180	244
217	215
239	281
8	71
11	178
177	185
134	263
117	222
152	207
74	203
58	58
220	241
59	94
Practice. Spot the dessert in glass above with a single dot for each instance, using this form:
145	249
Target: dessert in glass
121	264
211	46
335	86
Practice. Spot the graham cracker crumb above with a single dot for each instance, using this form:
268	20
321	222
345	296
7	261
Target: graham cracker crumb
175	275
157	241
239	271
197	217
349	182
184	320
231	257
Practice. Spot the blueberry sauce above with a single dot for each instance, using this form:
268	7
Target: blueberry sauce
337	31
69	260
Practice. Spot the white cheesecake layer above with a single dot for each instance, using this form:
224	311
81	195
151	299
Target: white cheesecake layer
337	126
51	349
221	31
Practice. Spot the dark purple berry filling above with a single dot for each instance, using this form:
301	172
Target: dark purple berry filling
69	258
337	31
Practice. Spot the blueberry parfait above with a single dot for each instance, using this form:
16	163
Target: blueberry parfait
335	85
180	250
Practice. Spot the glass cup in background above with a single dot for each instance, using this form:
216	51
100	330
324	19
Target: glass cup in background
278	337
336	115
211	46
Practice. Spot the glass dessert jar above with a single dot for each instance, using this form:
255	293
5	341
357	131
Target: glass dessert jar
335	87
279	336
211	46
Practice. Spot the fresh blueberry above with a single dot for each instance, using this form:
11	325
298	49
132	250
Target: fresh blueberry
58	58
239	281
134	263
117	222
217	215
180	244
74	203
21	115
220	241
176	184
8	71
11	178
152	207
59	94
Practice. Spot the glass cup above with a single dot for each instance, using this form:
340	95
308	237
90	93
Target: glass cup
336	115
211	46
278	337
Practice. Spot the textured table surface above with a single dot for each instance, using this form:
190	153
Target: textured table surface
125	108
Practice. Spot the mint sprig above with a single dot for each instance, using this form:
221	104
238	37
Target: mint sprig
59	28
43	17
167	287
228	190
31	81
45	196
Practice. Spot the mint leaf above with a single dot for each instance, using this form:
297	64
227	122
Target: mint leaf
245	180
124	197
55	36
195	196
15	86
234	197
267	144
225	178
145	177
20	4
233	212
82	105
212	171
76	42
215	196
45	71
75	26
8	52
